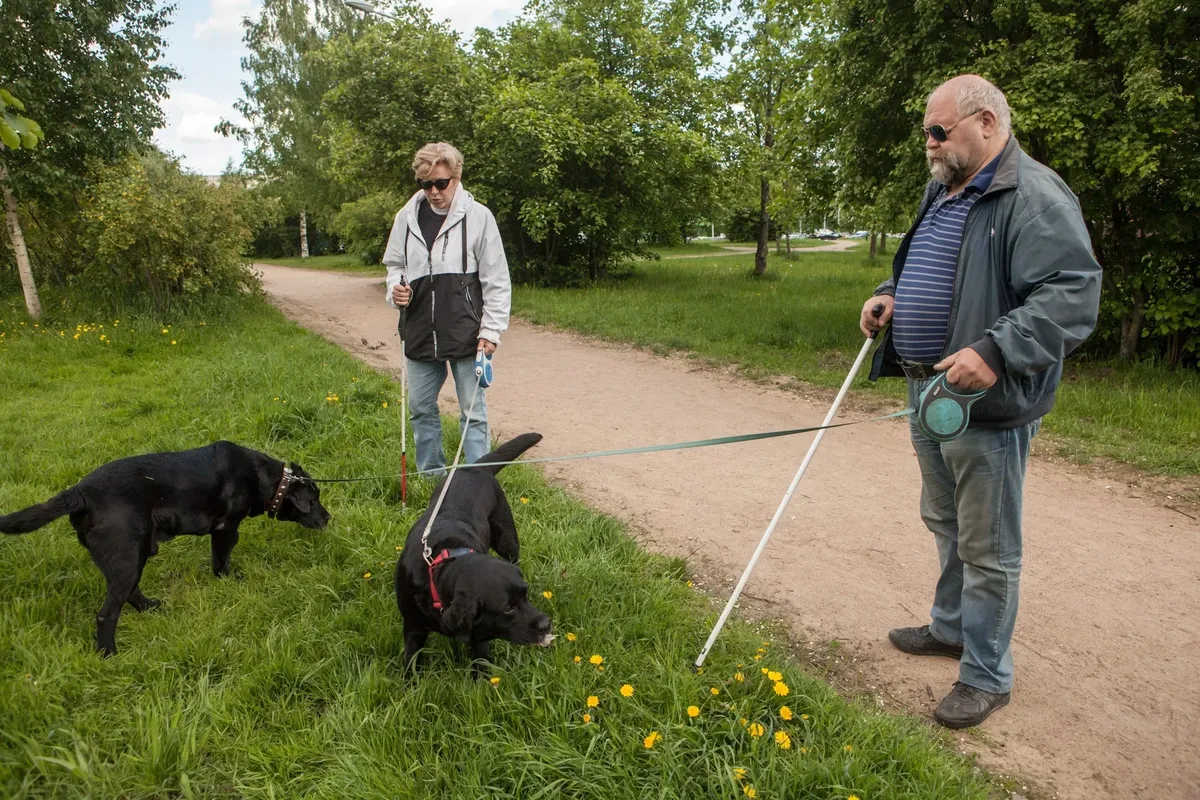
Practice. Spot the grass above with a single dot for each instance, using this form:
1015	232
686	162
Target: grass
801	320
334	263
285	681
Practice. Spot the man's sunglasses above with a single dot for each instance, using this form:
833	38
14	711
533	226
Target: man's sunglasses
440	183
941	133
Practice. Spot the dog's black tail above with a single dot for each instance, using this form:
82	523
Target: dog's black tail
34	517
510	450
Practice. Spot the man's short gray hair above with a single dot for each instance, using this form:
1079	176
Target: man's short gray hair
979	94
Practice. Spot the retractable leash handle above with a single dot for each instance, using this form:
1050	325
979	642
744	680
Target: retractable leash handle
483	369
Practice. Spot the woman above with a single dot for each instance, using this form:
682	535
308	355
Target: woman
445	265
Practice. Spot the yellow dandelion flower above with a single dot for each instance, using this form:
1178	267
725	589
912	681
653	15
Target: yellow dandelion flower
164	330
739	677
745	722
276	399
587	718
849	748
571	637
547	595
649	741
577	659
804	716
803	749
593	701
782	689
525	500
495	680
399	547
756	730
739	773
367	575
714	691
353	379
758	657
783	740
765	670
775	676
174	342
689	584
761	651
699	670
693	711
852	797
749	791
601	669
597	659
627	691
785	713
385	403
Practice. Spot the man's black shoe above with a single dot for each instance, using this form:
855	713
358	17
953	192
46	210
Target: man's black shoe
920	642
966	706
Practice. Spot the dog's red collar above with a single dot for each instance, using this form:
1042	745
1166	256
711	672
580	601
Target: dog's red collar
281	491
442	558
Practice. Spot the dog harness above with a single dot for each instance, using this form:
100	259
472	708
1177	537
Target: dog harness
944	411
443	557
281	491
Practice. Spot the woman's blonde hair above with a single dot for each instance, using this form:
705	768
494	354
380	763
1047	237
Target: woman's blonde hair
436	153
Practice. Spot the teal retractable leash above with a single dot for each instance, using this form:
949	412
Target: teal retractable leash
943	410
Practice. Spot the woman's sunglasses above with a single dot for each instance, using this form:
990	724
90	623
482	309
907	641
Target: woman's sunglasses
941	133
440	183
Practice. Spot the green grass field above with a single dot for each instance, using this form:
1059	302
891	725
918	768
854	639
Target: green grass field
335	263
801	320
286	681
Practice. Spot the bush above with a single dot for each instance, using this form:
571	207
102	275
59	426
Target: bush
152	231
743	226
365	223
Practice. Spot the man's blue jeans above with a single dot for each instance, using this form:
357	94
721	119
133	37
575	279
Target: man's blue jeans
425	379
971	492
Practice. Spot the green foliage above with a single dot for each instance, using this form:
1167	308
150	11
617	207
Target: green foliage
364	225
154	231
17	131
743	226
89	73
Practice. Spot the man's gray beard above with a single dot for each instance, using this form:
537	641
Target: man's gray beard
948	169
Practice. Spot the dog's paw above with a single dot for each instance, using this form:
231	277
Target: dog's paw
146	603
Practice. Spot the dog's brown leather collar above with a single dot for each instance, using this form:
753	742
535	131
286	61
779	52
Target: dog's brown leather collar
285	482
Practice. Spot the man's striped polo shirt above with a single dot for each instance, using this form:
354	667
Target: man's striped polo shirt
926	287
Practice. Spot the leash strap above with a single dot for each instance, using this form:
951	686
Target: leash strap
426	552
657	448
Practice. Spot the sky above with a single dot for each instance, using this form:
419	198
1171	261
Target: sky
204	44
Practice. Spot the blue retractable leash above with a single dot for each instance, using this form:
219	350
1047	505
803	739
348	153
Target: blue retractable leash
483	369
943	410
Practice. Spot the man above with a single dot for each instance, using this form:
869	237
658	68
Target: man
994	284
446	266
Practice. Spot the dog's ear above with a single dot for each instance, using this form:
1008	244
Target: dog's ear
303	488
463	611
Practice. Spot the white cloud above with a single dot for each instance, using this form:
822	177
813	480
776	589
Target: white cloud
189	132
225	20
465	16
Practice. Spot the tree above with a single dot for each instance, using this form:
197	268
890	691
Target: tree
597	135
767	76
91	72
286	132
18	132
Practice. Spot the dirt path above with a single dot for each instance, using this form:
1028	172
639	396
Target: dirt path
838	245
1107	645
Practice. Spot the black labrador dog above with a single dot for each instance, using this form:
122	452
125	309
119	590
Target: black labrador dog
466	593
123	509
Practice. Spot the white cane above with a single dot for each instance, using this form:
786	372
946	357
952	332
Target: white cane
787	498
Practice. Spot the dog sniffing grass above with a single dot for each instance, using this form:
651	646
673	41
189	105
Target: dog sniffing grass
287	679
